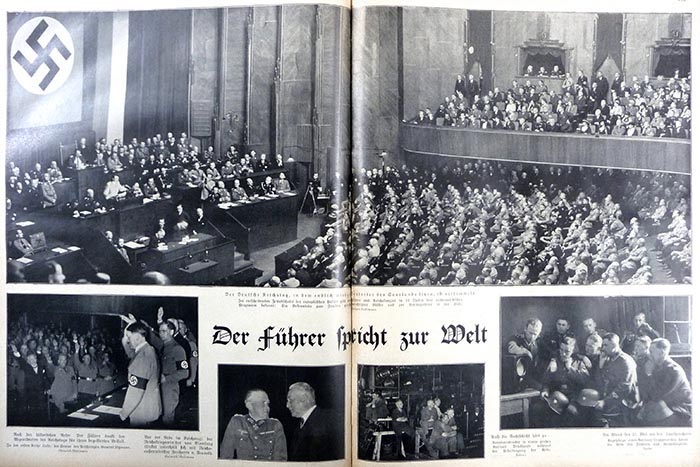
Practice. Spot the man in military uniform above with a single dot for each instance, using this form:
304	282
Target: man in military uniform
617	384
174	368
254	436
552	340
142	404
641	328
527	344
590	327
667	389
566	373
428	416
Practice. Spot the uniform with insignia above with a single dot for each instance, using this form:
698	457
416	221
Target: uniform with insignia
174	369
249	439
142	404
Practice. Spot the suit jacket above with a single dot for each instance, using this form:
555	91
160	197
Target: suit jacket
320	439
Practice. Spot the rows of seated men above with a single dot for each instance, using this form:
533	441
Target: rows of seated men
157	164
659	108
593	377
72	367
508	223
325	263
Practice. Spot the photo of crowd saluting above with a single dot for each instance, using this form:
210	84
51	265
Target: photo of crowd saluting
420	412
102	361
596	362
279	414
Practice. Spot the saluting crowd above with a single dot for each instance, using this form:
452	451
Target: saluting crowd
486	222
54	370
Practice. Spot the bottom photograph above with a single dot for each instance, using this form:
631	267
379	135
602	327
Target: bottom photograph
420	412
596	362
281	413
107	361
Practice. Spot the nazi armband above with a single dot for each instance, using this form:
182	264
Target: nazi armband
138	382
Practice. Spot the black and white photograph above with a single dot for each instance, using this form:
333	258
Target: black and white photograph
596	362
518	148
282	413
193	146
420	412
102	361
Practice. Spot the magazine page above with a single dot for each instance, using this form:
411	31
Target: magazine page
176	233
522	269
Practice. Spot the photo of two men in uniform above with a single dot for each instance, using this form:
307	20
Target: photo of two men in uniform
595	362
269	413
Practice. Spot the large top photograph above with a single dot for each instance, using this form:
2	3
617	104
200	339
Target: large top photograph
206	147
516	148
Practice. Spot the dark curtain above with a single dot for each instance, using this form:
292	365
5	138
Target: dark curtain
158	73
669	59
479	37
608	39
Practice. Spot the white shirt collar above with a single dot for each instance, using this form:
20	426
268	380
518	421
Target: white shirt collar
140	346
306	415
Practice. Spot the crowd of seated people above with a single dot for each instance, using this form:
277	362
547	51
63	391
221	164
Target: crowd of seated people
598	378
659	108
325	264
489	222
158	165
58	366
54	369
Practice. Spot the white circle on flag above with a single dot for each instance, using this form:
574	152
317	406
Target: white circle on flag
42	55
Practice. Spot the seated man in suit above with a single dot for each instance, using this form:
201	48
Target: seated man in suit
158	235
282	184
89	202
48	192
76	161
21	246
199	224
267	187
250	189
237	191
114	164
54	172
319	436
180	221
279	163
150	189
114	191
263	163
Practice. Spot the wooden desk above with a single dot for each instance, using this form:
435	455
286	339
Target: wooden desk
179	249
265	221
519	403
72	262
101	413
129	220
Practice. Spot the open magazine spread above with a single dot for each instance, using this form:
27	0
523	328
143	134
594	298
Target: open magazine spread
351	233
